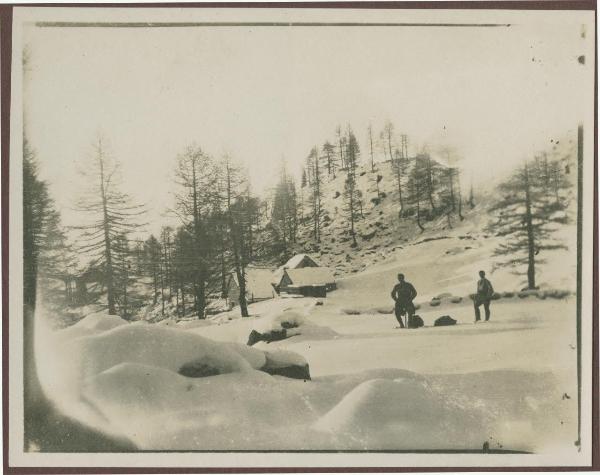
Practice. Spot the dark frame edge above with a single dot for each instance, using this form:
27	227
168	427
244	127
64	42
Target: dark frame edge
417	4
595	322
6	12
6	17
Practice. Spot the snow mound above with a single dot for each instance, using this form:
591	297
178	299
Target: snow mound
383	413
94	323
157	408
143	375
254	357
101	322
277	321
162	347
284	358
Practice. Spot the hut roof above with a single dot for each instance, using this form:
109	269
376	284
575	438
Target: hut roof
296	260
292	263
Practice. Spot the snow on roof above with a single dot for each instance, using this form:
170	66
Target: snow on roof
292	263
296	260
258	282
310	276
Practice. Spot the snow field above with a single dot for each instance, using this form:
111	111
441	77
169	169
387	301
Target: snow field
510	382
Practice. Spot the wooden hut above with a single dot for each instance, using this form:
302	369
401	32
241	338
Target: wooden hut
307	281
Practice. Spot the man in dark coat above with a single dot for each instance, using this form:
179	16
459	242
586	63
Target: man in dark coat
404	294
484	294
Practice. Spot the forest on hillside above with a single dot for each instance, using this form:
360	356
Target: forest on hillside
224	227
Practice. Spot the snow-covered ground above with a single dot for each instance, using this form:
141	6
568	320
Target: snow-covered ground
510	382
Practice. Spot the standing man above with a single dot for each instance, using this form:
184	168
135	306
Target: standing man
404	294
483	296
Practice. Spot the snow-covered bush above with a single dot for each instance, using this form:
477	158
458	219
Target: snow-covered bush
557	294
526	293
278	320
350	311
385	310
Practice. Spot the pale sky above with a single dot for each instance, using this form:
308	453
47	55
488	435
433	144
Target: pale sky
263	93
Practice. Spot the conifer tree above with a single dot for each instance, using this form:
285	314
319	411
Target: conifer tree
399	167
109	213
195	177
352	195
237	212
329	154
387	139
316	192
152	251
341	146
527	220
284	212
416	188
370	134
351	208
471	195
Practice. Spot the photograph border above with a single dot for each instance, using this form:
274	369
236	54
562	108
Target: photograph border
6	17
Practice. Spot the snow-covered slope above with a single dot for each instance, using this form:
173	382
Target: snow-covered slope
509	382
381	232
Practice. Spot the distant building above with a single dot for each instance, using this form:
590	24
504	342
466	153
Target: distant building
299	261
307	281
258	285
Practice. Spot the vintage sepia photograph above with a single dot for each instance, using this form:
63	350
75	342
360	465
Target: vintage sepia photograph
290	237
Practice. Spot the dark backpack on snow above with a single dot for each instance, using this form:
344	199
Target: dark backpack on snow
444	321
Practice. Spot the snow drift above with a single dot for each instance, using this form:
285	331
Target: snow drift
127	379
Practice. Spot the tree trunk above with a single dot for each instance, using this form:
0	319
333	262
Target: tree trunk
419	215
162	293
155	280
182	301
223	275
430	183
530	234
109	276
67	291
354	243
451	187
199	299
459	197
166	246
239	270
125	314
399	180
471	199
